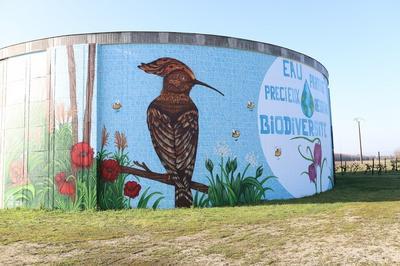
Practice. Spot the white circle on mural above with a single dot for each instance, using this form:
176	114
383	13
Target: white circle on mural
295	127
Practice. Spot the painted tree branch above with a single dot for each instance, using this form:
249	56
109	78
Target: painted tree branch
163	178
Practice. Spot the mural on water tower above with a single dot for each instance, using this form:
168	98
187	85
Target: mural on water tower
101	129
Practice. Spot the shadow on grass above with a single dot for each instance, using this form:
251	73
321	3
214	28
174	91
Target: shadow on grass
355	188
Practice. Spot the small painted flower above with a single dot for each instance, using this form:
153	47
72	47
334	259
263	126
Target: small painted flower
110	170
65	185
81	155
312	173
59	178
132	189
104	137
222	150
62	115
16	172
120	141
251	158
317	154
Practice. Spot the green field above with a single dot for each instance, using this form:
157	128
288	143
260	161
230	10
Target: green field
356	223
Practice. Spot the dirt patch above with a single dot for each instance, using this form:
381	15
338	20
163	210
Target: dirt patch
23	253
303	241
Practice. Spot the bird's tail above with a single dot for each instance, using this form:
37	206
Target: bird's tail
183	194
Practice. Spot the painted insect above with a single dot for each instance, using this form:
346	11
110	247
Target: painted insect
117	105
251	105
235	134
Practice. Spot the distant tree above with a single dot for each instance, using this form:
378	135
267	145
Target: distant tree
397	153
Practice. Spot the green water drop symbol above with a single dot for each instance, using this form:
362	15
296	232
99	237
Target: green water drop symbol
307	101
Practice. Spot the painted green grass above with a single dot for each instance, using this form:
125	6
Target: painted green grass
361	213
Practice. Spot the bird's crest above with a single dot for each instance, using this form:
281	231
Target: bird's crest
164	66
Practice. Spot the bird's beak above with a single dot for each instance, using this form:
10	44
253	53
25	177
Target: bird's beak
198	82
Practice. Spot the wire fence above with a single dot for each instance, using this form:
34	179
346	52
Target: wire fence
373	165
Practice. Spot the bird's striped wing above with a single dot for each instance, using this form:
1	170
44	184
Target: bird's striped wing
186	137
163	138
175	142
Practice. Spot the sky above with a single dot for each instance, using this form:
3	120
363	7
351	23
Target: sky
357	41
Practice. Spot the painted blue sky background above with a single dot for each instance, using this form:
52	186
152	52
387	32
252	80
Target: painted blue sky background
356	40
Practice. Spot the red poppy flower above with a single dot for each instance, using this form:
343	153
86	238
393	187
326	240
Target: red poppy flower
317	154
59	178
312	173
110	170
65	185
132	189
81	155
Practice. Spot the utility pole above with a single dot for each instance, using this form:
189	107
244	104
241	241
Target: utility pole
358	120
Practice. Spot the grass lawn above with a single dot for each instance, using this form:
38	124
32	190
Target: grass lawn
356	223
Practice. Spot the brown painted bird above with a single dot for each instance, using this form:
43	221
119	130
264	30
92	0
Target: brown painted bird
172	119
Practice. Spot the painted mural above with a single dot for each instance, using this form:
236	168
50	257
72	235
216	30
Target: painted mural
101	129
74	169
24	167
48	160
294	115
